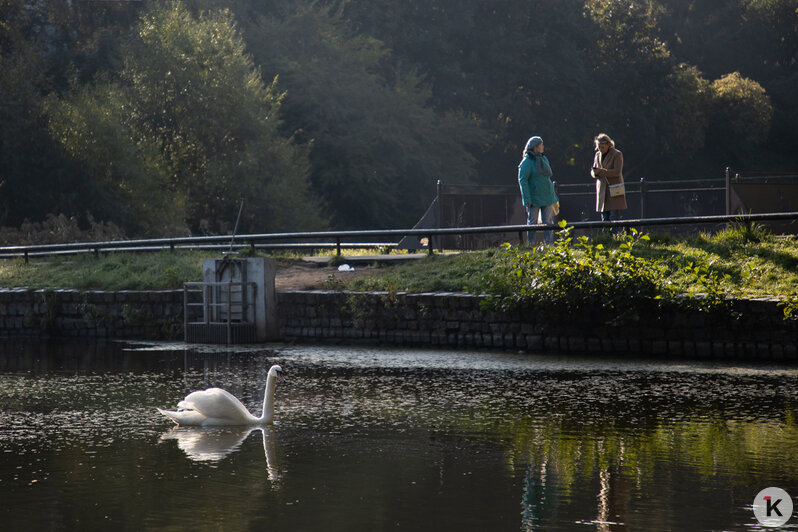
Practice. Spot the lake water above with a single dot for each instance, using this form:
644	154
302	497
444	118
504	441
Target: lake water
380	439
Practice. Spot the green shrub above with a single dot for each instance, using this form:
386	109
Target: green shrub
576	278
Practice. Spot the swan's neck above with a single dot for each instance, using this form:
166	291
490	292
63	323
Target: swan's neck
268	401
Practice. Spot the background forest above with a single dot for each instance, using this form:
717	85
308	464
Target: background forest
158	117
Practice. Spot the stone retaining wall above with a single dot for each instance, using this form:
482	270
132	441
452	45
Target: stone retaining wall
446	320
91	314
454	320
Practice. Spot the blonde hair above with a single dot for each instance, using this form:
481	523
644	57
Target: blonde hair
603	137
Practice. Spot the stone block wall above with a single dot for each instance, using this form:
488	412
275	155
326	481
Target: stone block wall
444	320
91	314
455	320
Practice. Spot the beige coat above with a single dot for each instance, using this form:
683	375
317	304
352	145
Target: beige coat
610	171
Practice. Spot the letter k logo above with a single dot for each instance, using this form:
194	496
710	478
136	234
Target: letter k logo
772	507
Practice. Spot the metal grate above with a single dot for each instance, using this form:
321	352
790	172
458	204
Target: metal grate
219	313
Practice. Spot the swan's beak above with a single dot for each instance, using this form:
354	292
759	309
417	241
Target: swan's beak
280	376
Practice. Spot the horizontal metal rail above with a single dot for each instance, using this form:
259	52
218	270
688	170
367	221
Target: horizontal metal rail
719	183
90	247
288	240
630	190
764	177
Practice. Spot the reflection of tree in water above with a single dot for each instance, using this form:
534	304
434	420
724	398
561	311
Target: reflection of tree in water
542	494
625	465
537	498
203	444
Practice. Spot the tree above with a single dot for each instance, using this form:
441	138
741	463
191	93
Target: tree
519	67
741	114
33	177
124	175
779	39
43	45
172	123
191	119
377	146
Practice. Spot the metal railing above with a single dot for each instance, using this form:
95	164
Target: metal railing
340	238
206	243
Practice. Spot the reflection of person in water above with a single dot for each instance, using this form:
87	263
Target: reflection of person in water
212	444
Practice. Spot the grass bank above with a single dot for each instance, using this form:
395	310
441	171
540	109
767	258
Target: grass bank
742	261
748	262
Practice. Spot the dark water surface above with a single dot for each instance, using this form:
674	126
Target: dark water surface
381	439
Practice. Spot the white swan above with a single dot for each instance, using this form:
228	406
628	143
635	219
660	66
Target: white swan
215	407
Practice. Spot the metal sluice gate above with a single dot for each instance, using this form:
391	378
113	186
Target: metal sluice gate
220	312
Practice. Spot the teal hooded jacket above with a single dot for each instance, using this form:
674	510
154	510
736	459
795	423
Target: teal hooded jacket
534	178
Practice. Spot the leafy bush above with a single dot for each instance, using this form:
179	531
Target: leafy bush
789	306
576	278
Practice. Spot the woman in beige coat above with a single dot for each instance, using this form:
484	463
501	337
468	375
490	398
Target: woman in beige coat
607	170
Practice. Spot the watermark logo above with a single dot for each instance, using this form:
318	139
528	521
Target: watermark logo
772	507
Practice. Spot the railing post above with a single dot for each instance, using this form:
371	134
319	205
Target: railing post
642	197
439	192
229	314
185	309
206	304
728	191
338	246
26	256
430	250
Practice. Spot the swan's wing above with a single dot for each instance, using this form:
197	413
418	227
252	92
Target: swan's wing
218	404
184	417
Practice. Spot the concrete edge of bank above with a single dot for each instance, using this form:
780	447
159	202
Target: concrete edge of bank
439	320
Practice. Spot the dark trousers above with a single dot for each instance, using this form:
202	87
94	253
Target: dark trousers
608	216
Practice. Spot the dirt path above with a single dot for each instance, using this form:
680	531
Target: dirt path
302	276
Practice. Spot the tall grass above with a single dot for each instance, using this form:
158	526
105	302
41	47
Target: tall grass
116	271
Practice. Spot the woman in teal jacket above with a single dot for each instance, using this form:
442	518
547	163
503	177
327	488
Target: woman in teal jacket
537	189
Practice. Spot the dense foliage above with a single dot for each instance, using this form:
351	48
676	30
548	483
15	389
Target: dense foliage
577	277
610	278
160	116
574	278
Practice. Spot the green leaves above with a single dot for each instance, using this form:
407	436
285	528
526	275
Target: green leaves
579	278
741	108
377	147
188	130
168	120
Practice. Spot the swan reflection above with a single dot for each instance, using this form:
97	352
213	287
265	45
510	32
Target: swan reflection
212	444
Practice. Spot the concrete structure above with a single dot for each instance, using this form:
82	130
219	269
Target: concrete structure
262	309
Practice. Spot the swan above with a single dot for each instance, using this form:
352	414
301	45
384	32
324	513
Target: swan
216	407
